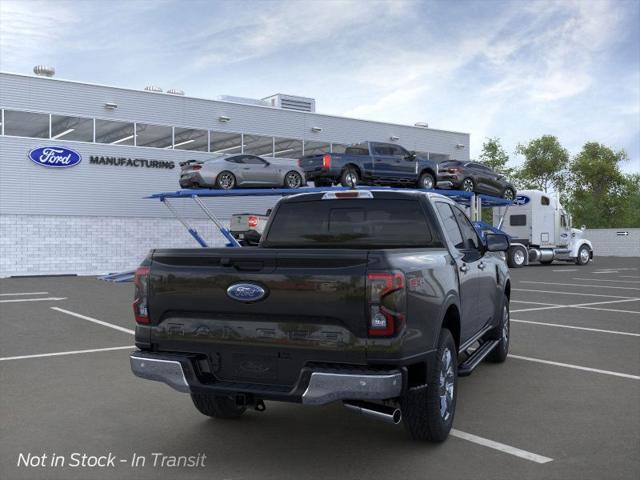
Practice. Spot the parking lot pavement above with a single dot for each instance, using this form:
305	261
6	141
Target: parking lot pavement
565	405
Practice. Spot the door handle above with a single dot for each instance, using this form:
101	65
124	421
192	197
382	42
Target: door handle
247	168
464	268
482	265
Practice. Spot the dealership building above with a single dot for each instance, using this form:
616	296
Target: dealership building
91	217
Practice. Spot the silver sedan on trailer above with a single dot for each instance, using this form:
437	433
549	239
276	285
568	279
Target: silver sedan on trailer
231	171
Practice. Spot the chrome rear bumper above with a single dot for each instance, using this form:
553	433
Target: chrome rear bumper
323	386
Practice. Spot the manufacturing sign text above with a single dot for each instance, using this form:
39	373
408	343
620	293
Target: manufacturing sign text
130	162
55	157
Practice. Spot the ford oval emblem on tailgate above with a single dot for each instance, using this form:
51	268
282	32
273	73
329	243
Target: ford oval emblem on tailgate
246	292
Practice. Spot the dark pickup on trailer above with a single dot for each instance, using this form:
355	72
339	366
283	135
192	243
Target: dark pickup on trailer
378	299
371	163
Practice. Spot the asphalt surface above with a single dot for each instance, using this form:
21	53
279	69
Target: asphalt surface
577	417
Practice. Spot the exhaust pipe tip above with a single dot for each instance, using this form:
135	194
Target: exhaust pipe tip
385	413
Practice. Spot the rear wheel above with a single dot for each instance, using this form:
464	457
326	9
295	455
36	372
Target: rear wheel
468	185
349	177
225	180
426	181
293	179
428	412
508	194
516	257
217	406
584	255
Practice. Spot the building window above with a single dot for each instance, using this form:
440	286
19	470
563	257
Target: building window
258	145
71	128
115	133
191	139
287	148
226	143
316	148
26	124
156	136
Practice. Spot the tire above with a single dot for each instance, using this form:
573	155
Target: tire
349	177
516	257
509	194
426	415
502	333
584	255
427	181
217	406
225	180
468	185
293	180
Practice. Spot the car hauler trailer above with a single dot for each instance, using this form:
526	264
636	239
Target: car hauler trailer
540	231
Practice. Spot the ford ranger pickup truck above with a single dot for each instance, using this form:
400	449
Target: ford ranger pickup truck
378	299
371	163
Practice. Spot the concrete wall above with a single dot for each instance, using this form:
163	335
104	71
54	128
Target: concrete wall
607	242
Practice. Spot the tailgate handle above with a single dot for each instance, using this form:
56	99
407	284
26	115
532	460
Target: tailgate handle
247	266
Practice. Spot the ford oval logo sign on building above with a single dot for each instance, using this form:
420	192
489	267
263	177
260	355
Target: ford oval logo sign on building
246	292
55	157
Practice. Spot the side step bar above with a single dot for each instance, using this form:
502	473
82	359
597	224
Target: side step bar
466	368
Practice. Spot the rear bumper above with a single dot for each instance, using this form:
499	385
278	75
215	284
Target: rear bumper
315	386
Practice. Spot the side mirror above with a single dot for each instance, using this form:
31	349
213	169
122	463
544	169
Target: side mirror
411	156
496	242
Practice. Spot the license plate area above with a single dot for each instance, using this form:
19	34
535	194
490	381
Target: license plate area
251	367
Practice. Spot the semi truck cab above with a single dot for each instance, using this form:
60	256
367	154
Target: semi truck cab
541	231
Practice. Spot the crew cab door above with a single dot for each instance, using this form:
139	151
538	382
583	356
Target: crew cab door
467	256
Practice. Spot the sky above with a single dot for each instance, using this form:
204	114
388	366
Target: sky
510	69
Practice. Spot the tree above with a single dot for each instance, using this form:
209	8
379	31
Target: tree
495	157
599	194
544	165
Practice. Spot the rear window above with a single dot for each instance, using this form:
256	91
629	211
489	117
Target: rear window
355	223
358	149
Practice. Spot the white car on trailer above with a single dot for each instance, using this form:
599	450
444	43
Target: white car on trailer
541	231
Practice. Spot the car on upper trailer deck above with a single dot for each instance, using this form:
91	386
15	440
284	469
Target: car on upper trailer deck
475	177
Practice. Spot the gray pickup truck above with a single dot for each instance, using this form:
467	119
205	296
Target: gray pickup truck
379	299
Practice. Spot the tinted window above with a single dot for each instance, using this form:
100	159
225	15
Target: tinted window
397	151
252	160
518	220
353	223
450	225
72	128
469	235
26	124
238	159
357	149
544	200
383	150
115	133
157	136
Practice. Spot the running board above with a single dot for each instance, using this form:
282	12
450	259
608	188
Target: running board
466	368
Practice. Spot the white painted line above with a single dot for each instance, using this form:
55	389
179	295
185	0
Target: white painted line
72	352
582	285
607	271
576	367
603	280
94	320
582	305
597	330
537	303
22	293
570	293
611	310
485	442
47	299
535	309
628	276
567	270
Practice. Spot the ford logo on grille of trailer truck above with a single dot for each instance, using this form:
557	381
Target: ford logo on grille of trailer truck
55	157
246	292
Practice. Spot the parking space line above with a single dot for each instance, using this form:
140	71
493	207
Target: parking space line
47	299
567	270
485	442
581	285
536	303
22	293
72	352
576	367
629	276
583	305
572	293
597	330
610	310
603	280
94	320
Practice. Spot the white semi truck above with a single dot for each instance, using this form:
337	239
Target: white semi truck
540	231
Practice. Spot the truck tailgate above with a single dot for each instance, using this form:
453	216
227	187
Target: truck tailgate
313	310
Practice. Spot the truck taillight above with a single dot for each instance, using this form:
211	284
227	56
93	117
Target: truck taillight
453	170
326	161
196	167
140	305
253	221
386	301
